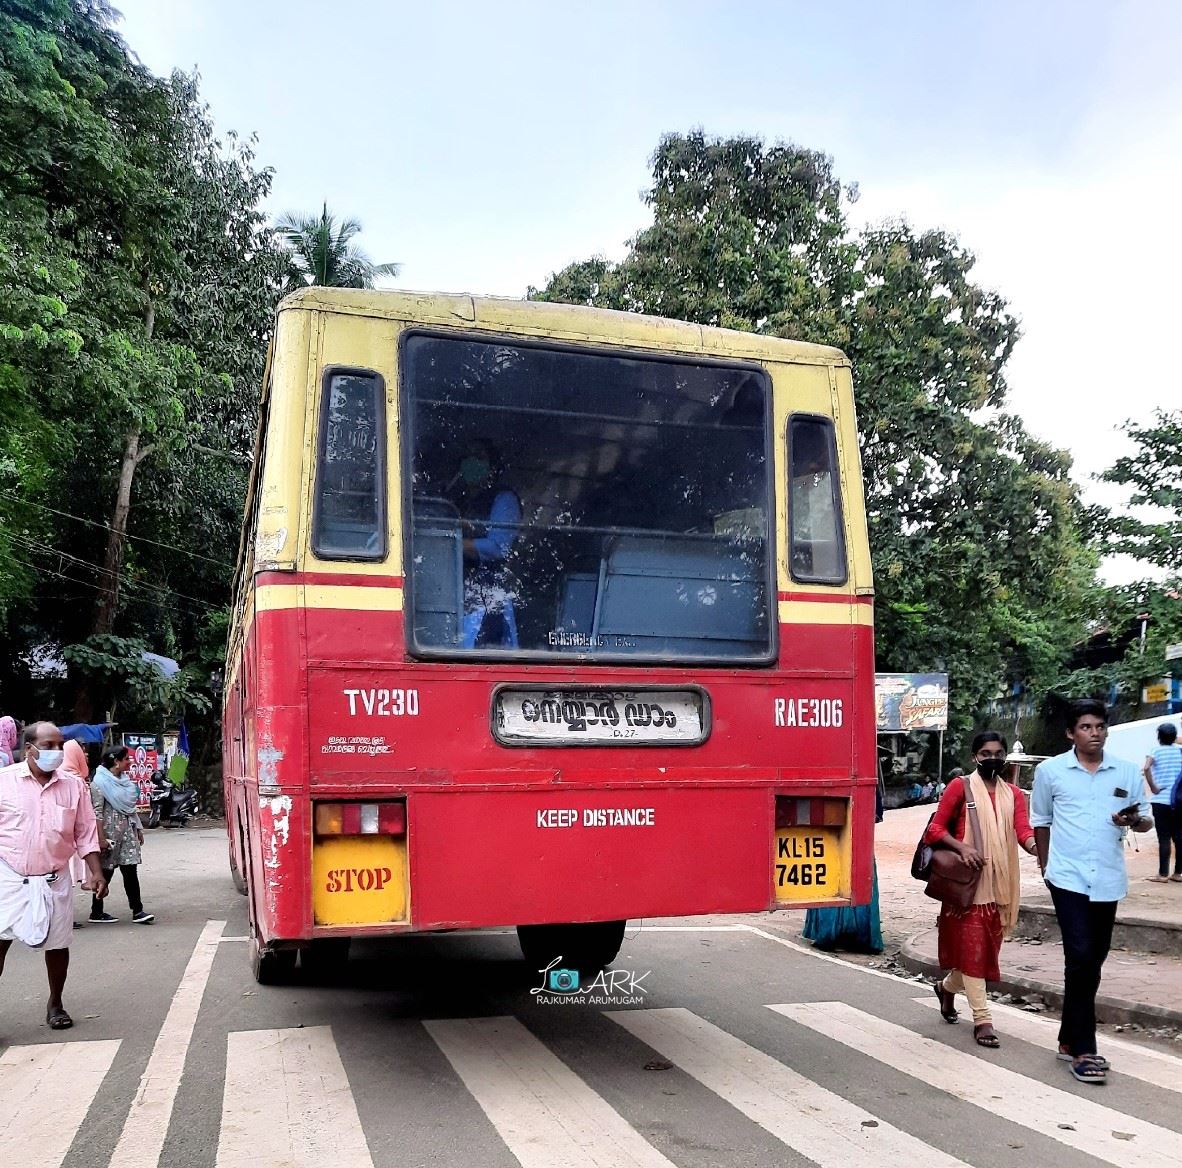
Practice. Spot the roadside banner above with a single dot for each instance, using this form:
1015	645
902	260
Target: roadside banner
911	701
179	766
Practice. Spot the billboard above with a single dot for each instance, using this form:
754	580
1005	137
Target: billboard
145	759
911	701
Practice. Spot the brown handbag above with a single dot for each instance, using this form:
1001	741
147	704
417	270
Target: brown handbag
952	881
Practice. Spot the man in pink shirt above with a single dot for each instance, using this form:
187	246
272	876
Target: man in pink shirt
45	817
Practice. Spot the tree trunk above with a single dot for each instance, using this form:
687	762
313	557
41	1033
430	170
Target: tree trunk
104	616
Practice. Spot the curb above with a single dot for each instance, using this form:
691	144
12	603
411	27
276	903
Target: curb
1139	934
1108	1009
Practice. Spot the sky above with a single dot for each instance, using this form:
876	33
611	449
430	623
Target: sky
485	146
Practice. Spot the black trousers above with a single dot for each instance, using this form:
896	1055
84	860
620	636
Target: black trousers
1086	926
131	885
1168	825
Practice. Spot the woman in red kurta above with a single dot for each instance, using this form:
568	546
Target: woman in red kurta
970	941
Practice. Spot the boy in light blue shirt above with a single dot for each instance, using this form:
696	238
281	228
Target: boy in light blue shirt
1083	802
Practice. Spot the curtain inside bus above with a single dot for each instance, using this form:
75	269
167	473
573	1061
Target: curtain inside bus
564	501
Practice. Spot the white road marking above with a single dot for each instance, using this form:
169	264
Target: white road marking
809	951
1157	1067
1064	1116
146	1127
288	1103
817	1123
32	1134
547	1116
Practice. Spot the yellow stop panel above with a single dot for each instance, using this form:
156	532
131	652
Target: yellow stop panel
359	880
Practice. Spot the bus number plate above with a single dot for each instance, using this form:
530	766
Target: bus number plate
599	717
807	863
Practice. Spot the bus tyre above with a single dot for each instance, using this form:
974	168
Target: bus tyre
323	962
271	966
236	872
587	948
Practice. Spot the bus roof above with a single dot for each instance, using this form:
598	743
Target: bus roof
575	322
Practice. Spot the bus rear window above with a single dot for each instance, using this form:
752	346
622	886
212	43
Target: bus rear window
580	502
350	511
814	503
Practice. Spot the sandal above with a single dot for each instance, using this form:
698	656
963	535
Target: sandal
1177	878
947	1004
986	1035
1087	1069
57	1019
1065	1056
1158	879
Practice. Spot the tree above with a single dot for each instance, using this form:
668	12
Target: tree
322	252
1154	478
139	282
974	526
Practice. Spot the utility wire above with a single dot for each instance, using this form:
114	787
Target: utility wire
106	527
130	582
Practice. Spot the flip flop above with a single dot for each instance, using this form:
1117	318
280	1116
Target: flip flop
947	1004
1176	878
1086	1069
57	1019
1158	879
986	1035
1065	1057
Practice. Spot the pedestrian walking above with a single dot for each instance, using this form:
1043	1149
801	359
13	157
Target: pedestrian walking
45	817
8	737
1084	802
1162	771
74	763
970	940
114	796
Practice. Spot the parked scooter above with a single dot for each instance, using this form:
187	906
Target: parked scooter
171	805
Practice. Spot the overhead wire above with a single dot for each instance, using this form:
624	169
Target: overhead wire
31	545
106	527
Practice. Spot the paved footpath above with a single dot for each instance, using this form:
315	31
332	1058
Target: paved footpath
1138	988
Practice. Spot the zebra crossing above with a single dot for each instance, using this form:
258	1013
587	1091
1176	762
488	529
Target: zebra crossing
288	1100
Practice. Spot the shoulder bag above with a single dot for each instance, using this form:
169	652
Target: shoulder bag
950	879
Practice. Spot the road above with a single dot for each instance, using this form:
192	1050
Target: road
743	1049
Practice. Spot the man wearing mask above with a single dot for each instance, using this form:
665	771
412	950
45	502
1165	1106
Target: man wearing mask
45	817
1083	802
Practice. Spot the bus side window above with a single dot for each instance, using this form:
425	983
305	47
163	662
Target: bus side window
350	505
817	548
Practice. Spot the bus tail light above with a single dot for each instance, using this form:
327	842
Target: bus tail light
796	812
361	818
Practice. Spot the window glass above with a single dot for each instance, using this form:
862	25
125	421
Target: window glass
814	503
580	502
350	487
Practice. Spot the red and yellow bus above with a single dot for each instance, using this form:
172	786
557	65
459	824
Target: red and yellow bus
545	617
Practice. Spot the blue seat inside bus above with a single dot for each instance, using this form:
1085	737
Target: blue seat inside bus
439	572
679	594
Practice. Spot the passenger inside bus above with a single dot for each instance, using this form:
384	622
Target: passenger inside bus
490	517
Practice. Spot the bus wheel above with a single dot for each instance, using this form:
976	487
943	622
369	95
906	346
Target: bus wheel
324	960
235	871
587	948
271	966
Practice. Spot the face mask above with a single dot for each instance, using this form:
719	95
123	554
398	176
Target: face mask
474	471
49	760
991	768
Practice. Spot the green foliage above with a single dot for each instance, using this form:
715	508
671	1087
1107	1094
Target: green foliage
137	284
981	567
321	251
138	691
1152	532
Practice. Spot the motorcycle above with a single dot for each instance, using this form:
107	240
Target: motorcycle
171	804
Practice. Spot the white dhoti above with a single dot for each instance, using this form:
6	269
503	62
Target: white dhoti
37	910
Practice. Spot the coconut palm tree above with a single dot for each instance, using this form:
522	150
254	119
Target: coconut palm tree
322	252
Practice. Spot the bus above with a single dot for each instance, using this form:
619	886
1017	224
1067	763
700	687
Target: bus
546	617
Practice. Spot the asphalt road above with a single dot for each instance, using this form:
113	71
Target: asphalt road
741	1049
